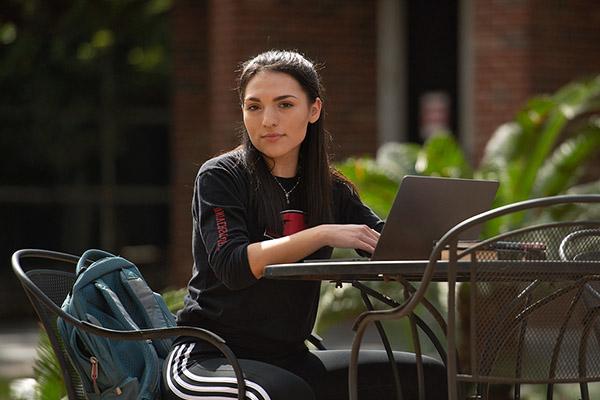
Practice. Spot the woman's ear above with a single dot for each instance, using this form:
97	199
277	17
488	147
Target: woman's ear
315	110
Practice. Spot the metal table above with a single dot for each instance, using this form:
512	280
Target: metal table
405	272
412	270
354	272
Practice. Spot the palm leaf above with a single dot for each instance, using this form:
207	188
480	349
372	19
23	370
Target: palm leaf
531	119
579	97
502	148
566	165
535	154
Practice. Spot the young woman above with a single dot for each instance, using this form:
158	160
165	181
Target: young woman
275	199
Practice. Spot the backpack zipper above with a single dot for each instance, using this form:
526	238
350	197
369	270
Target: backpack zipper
94	374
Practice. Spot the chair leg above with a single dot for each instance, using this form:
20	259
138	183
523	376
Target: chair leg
517	392
550	392
585	394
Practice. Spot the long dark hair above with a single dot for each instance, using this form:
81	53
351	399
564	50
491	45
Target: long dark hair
314	167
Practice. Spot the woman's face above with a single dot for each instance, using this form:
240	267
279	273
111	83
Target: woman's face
276	114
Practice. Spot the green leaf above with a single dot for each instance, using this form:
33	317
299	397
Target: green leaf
375	187
545	140
533	115
578	97
174	299
398	159
565	166
441	155
503	147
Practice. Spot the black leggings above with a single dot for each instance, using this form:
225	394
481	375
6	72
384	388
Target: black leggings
308	375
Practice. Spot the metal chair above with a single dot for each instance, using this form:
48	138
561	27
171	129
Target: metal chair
525	319
528	321
48	277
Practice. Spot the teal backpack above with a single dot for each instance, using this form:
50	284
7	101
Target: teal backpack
112	293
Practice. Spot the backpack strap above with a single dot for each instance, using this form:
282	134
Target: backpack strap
147	380
145	297
156	314
115	303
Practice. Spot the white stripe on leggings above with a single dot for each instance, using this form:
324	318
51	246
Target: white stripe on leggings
174	380
178	383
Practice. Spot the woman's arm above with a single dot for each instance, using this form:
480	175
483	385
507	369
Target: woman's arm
220	216
299	245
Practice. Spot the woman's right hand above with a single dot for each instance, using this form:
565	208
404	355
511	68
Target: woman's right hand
349	236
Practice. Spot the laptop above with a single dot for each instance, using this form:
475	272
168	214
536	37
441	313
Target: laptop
425	208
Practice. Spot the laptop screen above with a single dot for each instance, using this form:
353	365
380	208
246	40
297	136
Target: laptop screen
425	208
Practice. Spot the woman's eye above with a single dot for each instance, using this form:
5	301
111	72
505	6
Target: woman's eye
252	107
286	105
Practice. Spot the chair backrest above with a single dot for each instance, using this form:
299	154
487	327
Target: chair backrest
50	285
581	245
527	315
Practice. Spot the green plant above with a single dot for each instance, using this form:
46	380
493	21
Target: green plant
545	150
174	299
376	187
4	388
50	384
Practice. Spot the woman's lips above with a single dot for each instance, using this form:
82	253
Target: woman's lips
272	137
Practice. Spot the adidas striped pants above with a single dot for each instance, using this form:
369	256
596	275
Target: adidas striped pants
309	375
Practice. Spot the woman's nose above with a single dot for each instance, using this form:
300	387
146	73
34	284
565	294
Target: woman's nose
270	117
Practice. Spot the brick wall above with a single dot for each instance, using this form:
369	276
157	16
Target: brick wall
210	39
502	64
523	48
566	37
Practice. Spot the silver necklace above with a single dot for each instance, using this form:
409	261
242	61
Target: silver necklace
287	192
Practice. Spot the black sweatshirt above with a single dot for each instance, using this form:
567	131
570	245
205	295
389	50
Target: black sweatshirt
257	317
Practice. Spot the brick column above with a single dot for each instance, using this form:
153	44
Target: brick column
190	122
225	42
